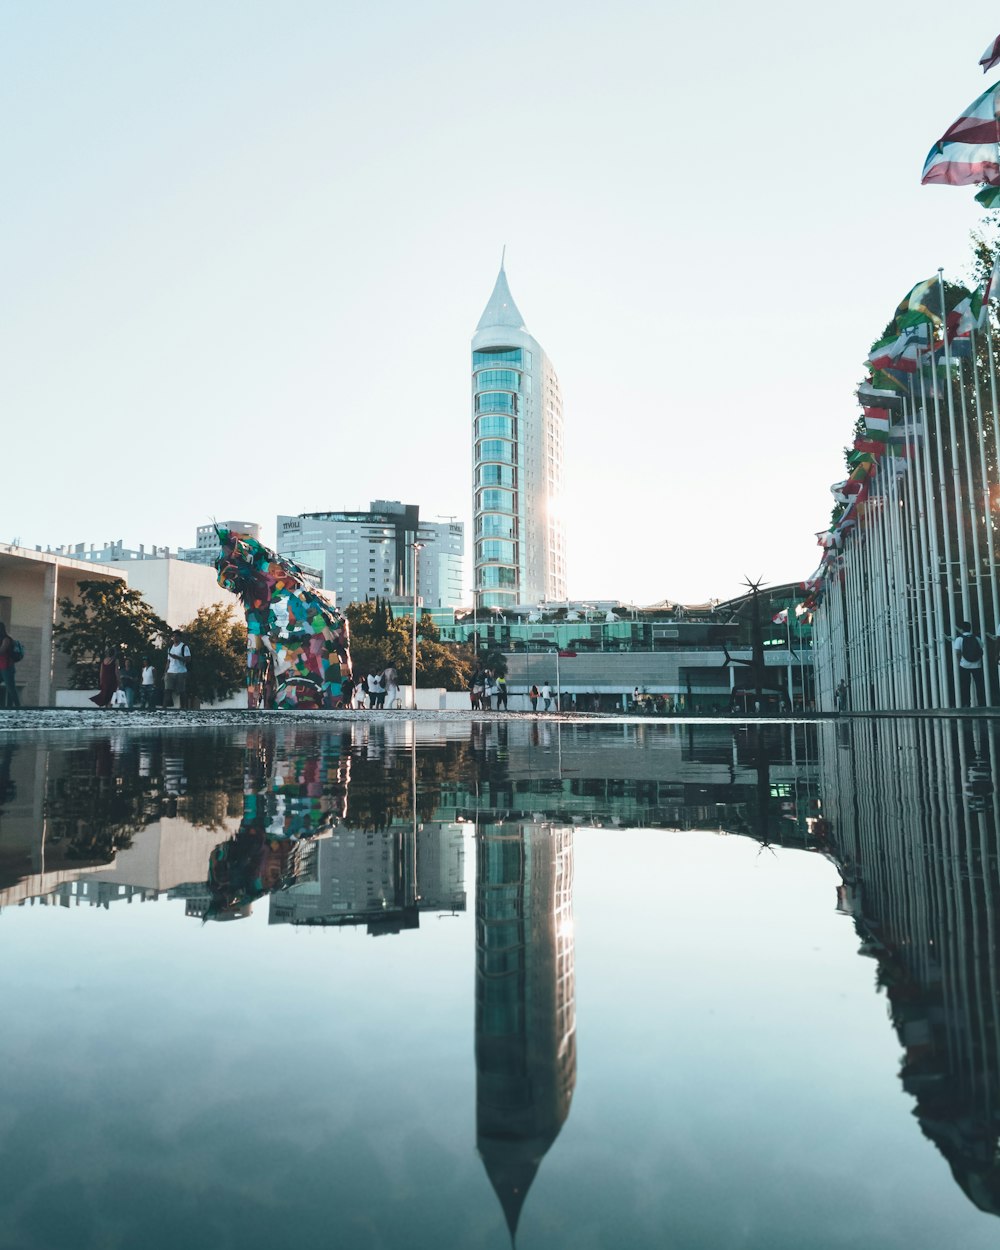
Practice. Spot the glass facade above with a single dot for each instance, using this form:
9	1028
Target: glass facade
495	501
498	356
496	401
495	475
516	460
496	550
494	526
495	449
495	427
498	380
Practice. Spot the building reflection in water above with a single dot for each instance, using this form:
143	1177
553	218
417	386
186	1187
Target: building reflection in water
909	806
525	1000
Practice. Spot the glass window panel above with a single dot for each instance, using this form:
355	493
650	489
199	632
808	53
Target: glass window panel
498	380
495	427
496	401
495	549
496	500
497	356
497	598
495	449
496	575
495	475
493	526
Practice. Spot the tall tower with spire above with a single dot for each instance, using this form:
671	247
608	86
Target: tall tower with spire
517	451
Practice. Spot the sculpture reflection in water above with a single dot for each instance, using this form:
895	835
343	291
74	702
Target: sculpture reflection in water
910	805
294	791
333	833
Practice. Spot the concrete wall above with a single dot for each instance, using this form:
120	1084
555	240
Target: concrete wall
176	589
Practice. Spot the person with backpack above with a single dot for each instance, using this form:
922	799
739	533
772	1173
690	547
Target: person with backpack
178	668
969	649
10	653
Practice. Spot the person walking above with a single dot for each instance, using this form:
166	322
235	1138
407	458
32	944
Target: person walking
501	689
128	682
390	679
969	649
546	694
147	692
360	692
107	681
7	663
533	698
178	664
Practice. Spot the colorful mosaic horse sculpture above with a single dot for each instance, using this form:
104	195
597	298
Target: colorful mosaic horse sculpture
298	644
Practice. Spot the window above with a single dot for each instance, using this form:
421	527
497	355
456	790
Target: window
497	356
498	380
495	427
496	401
496	575
496	501
495	449
495	475
495	526
494	549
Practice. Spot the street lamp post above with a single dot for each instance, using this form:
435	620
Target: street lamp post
417	547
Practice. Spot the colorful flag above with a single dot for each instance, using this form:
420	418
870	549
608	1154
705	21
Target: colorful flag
877	424
901	350
991	57
979	123
989	197
921	305
882	396
961	165
780	618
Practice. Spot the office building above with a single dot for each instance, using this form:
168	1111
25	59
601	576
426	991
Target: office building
517	441
207	548
361	555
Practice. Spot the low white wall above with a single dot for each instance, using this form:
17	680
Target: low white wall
81	698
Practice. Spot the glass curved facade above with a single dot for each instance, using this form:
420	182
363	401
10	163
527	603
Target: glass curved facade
496	551
496	401
498	380
495	449
495	427
495	501
498	356
493	525
495	475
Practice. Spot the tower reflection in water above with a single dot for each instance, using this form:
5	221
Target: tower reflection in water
525	1000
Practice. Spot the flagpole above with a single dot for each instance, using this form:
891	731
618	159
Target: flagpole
956	481
976	560
937	534
918	579
987	506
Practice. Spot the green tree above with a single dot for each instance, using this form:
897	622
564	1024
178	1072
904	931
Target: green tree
218	642
438	663
106	617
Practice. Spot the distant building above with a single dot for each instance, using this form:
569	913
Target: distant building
207	548
517	441
361	555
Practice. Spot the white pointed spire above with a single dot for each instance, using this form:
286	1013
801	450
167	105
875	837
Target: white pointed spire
501	309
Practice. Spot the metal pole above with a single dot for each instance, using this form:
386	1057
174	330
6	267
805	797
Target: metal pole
413	654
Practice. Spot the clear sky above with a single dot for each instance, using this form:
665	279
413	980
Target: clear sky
245	247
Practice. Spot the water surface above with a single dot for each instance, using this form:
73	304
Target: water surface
418	985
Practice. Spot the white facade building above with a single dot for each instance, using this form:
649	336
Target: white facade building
517	456
362	555
207	548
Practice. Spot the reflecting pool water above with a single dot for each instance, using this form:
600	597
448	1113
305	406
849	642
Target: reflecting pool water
694	985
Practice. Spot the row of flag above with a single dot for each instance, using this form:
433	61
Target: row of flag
930	332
